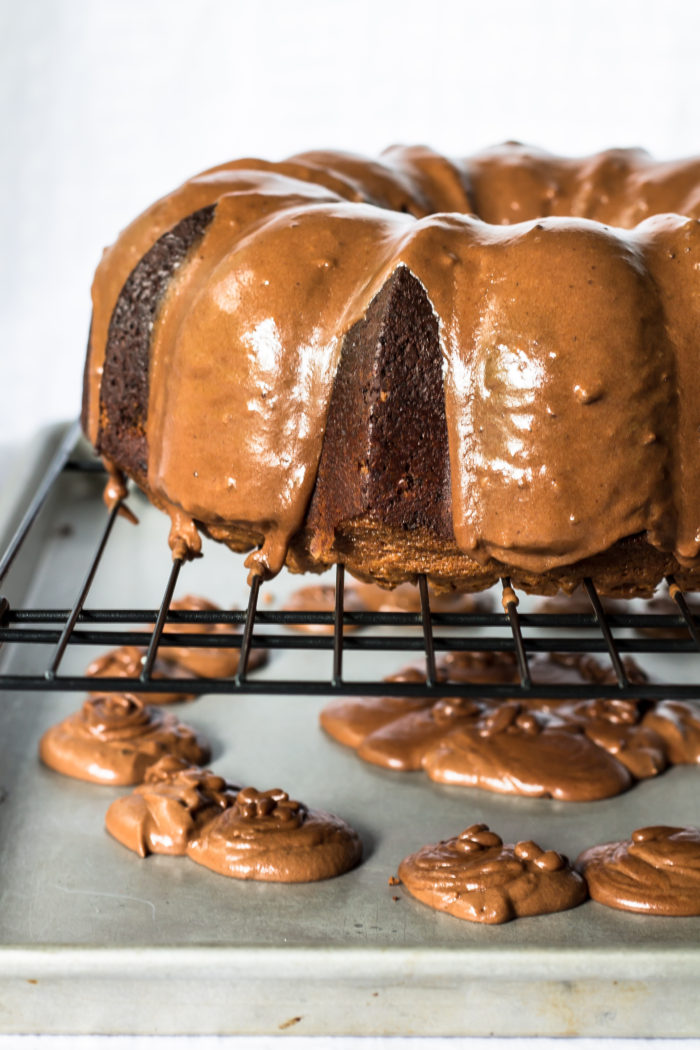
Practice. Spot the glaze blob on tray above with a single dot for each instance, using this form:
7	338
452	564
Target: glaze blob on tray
655	872
390	362
575	751
114	738
474	876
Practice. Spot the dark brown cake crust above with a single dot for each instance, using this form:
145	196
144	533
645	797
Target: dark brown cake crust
124	389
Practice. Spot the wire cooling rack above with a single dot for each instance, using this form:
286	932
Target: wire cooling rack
81	625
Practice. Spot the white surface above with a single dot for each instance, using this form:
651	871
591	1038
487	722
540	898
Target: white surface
107	104
64	1042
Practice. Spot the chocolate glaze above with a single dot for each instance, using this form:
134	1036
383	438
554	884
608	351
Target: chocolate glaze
618	726
320	597
184	662
404	743
606	342
174	803
475	876
351	721
478	667
272	838
580	667
514	751
656	872
114	739
573	750
577	603
207	662
367	597
678	725
127	662
406	598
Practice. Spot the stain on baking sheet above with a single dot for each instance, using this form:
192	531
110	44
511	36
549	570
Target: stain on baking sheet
290	1023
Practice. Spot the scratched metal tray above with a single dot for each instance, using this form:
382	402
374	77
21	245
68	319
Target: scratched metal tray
95	940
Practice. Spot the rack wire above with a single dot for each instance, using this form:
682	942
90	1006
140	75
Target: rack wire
80	625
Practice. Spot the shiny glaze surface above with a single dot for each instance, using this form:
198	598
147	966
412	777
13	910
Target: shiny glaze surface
656	872
475	876
207	662
127	662
267	836
114	738
320	597
563	749
567	308
172	805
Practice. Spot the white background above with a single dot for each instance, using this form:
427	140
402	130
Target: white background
107	104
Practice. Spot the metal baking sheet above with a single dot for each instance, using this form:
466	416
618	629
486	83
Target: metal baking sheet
95	940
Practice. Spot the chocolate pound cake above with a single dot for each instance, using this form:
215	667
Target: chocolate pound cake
465	368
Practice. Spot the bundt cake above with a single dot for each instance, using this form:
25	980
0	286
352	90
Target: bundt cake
467	368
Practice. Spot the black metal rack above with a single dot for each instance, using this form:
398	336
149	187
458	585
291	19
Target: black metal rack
79	625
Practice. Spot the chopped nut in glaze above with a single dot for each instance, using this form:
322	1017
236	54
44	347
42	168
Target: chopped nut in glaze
114	738
678	724
618	727
515	750
474	876
172	805
594	748
656	872
267	836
